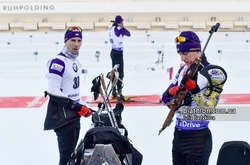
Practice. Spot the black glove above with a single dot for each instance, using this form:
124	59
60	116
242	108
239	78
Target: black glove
118	112
96	86
101	105
76	107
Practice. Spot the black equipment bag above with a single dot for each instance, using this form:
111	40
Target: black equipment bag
234	152
103	133
107	135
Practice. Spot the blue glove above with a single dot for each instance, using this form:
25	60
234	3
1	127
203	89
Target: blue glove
166	97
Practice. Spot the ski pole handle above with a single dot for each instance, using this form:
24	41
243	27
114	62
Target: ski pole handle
115	80
214	28
116	67
111	78
103	83
101	91
114	75
113	71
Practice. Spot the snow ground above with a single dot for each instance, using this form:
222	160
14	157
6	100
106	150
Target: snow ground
23	140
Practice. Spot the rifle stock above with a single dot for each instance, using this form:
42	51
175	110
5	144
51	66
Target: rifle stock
180	95
173	106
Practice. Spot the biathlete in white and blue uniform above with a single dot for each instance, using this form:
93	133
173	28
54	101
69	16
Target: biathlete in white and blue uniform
116	34
64	110
192	144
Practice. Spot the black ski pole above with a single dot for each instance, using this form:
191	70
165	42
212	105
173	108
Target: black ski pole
211	31
107	103
111	116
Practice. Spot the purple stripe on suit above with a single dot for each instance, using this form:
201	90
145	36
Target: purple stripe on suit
122	31
57	66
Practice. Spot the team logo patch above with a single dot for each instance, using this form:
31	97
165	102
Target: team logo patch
56	67
75	67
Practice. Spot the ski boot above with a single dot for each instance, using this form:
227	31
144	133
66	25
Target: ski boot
114	96
123	98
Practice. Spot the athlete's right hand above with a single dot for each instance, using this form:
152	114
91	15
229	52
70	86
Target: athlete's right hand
173	90
86	112
82	110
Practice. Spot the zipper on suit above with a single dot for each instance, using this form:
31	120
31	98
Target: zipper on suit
64	113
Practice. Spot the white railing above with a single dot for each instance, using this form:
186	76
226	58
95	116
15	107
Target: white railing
91	26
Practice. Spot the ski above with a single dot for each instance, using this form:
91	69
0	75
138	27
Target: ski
133	100
127	102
